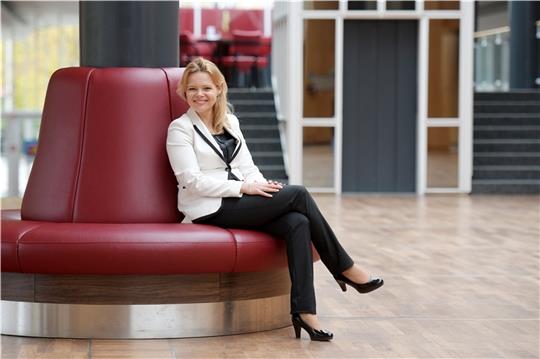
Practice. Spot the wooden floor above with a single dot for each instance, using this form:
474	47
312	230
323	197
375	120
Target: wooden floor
461	281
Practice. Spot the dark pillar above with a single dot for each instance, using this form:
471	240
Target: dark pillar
129	33
523	54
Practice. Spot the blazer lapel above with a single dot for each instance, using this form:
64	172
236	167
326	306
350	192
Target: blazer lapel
201	128
203	131
238	141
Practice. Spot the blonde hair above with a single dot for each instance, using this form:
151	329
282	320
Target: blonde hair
221	107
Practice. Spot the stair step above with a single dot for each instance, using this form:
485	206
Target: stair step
262	161
263	144
509	168
506	145
507	107
253	115
506	128
262	133
508	154
504	115
517	95
249	94
506	119
252	102
506	158
244	90
506	186
506	142
272	167
265	140
259	127
497	181
254	107
508	103
267	158
520	132
266	154
257	121
506	172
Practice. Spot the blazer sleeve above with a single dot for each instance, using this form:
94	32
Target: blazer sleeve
249	170
186	167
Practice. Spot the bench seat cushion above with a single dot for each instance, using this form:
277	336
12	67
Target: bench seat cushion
135	248
257	251
108	248
12	230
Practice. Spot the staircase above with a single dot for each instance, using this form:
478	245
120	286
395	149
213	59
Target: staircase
506	142
256	111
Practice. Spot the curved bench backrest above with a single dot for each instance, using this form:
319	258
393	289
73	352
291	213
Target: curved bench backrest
101	154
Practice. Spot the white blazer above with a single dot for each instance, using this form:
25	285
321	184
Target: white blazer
201	173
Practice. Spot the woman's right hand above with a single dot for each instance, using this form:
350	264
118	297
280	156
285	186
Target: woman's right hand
260	189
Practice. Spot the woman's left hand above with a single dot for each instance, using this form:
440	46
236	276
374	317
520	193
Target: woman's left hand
275	182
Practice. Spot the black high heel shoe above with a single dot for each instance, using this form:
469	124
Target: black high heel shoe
371	285
314	334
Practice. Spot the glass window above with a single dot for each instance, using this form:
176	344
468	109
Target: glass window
441	5
400	5
318	157
492	57
319	44
442	159
443	68
361	5
321	5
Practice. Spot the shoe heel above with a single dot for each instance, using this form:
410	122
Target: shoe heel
342	285
297	330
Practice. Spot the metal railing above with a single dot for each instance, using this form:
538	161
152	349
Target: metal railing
279	79
492	59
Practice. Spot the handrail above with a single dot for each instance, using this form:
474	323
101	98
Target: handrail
498	30
281	124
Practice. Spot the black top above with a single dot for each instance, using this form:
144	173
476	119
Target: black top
227	143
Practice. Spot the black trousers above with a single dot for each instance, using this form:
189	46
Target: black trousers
292	215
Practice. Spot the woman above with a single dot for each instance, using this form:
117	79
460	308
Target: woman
218	184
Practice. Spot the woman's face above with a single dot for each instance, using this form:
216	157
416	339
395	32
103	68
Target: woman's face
201	93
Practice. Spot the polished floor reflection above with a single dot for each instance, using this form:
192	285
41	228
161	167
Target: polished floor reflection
318	163
318	168
461	281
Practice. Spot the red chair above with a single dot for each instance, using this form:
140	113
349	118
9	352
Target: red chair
263	73
190	48
243	55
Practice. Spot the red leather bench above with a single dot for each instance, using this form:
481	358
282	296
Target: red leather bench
98	232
